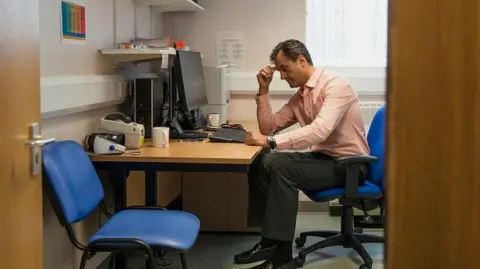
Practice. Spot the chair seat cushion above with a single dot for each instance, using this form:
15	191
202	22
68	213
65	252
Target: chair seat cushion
158	228
367	190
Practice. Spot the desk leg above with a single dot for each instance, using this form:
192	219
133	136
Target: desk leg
151	187
118	176
119	179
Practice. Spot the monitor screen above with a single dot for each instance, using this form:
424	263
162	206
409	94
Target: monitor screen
189	80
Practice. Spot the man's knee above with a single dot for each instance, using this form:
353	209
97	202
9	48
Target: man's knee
270	160
281	175
265	164
261	167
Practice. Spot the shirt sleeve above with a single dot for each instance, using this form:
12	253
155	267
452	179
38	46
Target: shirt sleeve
270	123
338	99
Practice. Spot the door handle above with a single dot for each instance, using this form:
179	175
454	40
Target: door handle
39	142
35	144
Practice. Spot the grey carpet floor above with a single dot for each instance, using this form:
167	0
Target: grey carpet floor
215	251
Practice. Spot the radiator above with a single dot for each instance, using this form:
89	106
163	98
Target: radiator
368	110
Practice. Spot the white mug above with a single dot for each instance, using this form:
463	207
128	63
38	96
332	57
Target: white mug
214	119
160	137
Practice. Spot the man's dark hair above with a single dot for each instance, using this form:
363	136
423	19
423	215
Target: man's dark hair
292	49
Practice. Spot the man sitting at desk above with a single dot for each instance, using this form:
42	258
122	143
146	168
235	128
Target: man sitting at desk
327	108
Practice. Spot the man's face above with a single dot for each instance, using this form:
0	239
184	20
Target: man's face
291	71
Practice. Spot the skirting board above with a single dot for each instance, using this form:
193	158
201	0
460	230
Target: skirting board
367	81
312	207
65	95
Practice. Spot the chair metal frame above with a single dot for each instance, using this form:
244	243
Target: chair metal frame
347	237
113	245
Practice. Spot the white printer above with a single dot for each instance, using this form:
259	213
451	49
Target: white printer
118	123
217	84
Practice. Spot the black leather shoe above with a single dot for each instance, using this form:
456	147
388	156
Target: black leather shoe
256	254
269	265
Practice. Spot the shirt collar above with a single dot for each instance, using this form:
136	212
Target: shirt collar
312	81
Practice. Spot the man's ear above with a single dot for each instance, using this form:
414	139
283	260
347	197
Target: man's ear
302	61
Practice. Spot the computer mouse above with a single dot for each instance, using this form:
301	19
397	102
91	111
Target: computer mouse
119	117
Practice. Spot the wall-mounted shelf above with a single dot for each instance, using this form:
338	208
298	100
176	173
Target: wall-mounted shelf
138	51
135	55
172	5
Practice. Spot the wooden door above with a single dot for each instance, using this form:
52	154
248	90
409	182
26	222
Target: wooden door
21	224
433	137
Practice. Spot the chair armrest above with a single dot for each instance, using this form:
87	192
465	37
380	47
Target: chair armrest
353	165
358	159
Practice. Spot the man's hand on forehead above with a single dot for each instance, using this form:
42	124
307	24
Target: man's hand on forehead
277	67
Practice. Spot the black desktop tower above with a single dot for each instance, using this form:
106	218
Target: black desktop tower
149	96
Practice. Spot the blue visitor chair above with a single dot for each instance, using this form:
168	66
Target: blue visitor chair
366	197
75	191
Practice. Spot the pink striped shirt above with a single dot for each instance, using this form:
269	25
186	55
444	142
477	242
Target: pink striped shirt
328	111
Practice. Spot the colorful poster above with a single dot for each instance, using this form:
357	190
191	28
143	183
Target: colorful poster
73	22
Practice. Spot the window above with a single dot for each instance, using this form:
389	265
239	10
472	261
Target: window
347	32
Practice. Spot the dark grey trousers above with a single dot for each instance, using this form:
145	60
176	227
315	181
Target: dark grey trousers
274	181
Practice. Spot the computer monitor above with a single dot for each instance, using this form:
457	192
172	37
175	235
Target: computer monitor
189	80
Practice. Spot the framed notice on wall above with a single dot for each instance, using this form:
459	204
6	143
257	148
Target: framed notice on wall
73	22
230	49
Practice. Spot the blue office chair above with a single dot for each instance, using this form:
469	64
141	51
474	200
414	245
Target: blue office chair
75	191
366	197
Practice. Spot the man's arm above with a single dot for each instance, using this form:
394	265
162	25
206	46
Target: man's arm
337	101
270	123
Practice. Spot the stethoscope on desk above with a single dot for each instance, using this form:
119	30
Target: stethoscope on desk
232	126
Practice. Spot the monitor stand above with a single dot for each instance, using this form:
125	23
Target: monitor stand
199	119
191	120
177	132
186	119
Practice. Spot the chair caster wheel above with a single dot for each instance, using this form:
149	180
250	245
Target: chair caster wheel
364	266
358	230
300	241
300	261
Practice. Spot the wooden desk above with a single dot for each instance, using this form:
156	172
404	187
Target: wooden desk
188	152
179	157
191	152
211	176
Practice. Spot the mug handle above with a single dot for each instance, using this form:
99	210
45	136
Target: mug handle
164	139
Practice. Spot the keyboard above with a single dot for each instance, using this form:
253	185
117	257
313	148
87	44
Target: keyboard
228	135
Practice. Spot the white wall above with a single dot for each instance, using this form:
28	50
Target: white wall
77	73
61	60
265	23
75	77
125	20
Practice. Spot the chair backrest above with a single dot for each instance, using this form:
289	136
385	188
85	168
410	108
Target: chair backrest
376	142
75	188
